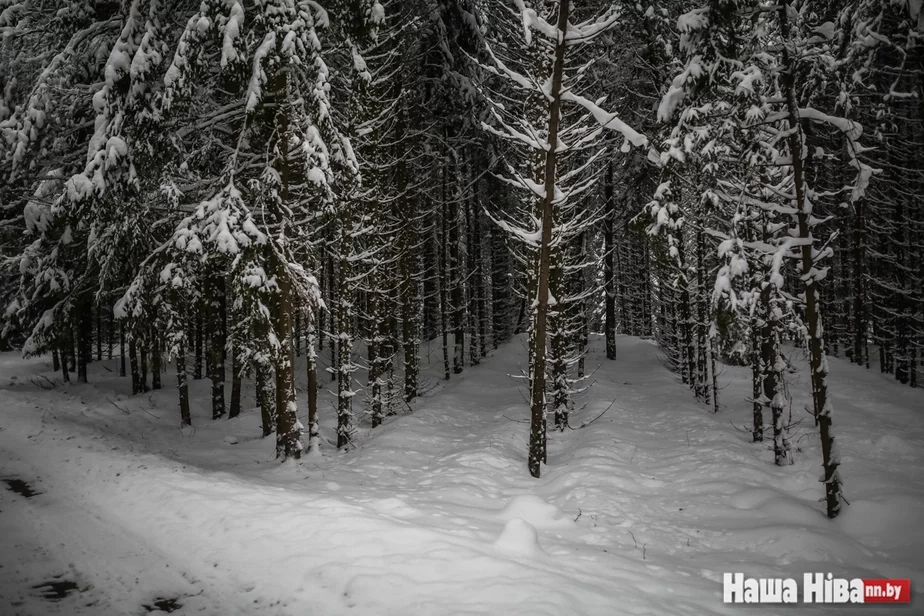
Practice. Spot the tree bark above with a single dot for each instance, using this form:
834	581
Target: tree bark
216	364
121	348
156	359
133	363
198	346
265	398
234	409
609	262
314	429
537	437
817	361
183	384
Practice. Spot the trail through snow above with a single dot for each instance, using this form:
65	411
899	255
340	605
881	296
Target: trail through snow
434	513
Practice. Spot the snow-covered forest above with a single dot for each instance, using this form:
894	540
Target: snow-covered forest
457	306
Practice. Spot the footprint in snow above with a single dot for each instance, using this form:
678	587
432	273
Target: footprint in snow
55	590
21	487
164	605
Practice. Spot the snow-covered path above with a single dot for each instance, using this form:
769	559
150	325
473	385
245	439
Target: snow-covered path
639	513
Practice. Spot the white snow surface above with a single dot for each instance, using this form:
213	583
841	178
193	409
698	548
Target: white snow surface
434	513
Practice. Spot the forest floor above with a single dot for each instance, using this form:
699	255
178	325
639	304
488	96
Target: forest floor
113	509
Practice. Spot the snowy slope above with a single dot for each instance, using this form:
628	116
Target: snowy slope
434	513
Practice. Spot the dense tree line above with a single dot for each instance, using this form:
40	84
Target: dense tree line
223	186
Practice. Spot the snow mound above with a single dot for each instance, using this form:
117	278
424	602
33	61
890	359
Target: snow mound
395	507
231	440
896	445
534	510
519	537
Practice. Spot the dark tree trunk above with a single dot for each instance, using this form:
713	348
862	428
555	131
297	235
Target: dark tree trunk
457	289
84	338
265	398
374	380
133	364
143	351
64	371
537	436
609	262
344	347
122	349
198	346
444	281
334	279
298	333
234	409
111	333
156	360
288	434
314	429
215	296
183	385
99	333
817	361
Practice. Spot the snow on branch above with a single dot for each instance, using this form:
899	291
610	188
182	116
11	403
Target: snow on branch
607	119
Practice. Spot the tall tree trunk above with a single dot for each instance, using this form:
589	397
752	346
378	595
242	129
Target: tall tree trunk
374	381
334	269
500	292
609	261
537	436
84	338
409	264
111	333
817	361
444	280
156	359
265	397
234	408
324	283
183	384
410	307
133	364
314	428
457	288
143	351
63	352
215	296
122	348
288	432
99	333
298	333
471	274
198	345
344	344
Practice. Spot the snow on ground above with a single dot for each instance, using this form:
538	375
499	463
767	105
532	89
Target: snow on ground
434	513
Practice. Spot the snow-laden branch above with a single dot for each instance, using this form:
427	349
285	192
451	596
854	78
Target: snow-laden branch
607	119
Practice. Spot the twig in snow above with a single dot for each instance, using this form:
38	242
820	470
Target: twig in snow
515	420
737	428
578	515
587	423
151	414
35	381
112	402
